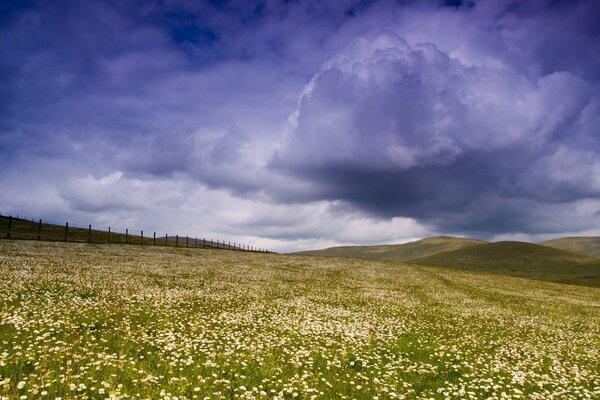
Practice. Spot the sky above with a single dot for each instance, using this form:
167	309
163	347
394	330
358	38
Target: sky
293	125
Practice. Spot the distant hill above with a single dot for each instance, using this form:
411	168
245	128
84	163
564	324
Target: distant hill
588	246
521	259
405	251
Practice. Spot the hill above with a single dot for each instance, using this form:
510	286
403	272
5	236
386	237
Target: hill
521	259
406	251
588	246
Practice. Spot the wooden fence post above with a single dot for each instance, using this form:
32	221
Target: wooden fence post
109	235
166	240
154	240
196	241
126	235
40	230
9	226
176	240
141	238
203	243
66	231
187	241
90	233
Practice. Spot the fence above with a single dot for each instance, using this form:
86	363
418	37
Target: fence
15	227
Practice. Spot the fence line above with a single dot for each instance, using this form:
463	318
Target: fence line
20	227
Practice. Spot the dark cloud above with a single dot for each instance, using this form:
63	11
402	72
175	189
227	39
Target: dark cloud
464	116
469	145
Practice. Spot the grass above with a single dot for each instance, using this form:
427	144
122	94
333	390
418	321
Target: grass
402	252
588	246
83	321
521	259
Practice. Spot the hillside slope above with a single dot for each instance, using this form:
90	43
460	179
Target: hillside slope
521	259
405	251
23	229
588	246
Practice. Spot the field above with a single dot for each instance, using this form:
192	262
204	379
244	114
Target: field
101	321
527	260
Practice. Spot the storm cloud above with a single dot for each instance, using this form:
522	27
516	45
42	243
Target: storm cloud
267	120
411	130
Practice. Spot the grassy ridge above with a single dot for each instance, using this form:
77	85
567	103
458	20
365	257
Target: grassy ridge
521	259
401	252
588	246
81	321
30	230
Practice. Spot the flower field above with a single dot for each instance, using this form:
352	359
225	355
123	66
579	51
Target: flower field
99	321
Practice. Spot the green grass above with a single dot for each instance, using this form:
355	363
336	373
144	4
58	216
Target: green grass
588	246
521	259
405	251
115	321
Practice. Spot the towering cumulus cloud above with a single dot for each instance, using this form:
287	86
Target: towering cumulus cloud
410	130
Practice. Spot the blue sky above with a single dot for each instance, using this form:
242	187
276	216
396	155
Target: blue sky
304	124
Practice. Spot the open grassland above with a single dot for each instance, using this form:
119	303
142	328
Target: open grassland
99	321
405	251
527	260
584	245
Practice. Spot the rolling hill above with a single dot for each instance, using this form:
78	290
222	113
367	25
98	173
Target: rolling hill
406	251
521	259
588	246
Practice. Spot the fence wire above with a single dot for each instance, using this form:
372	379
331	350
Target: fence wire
23	228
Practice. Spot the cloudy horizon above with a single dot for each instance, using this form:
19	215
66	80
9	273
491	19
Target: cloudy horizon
295	125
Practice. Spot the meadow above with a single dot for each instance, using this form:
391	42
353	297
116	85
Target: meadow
126	322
